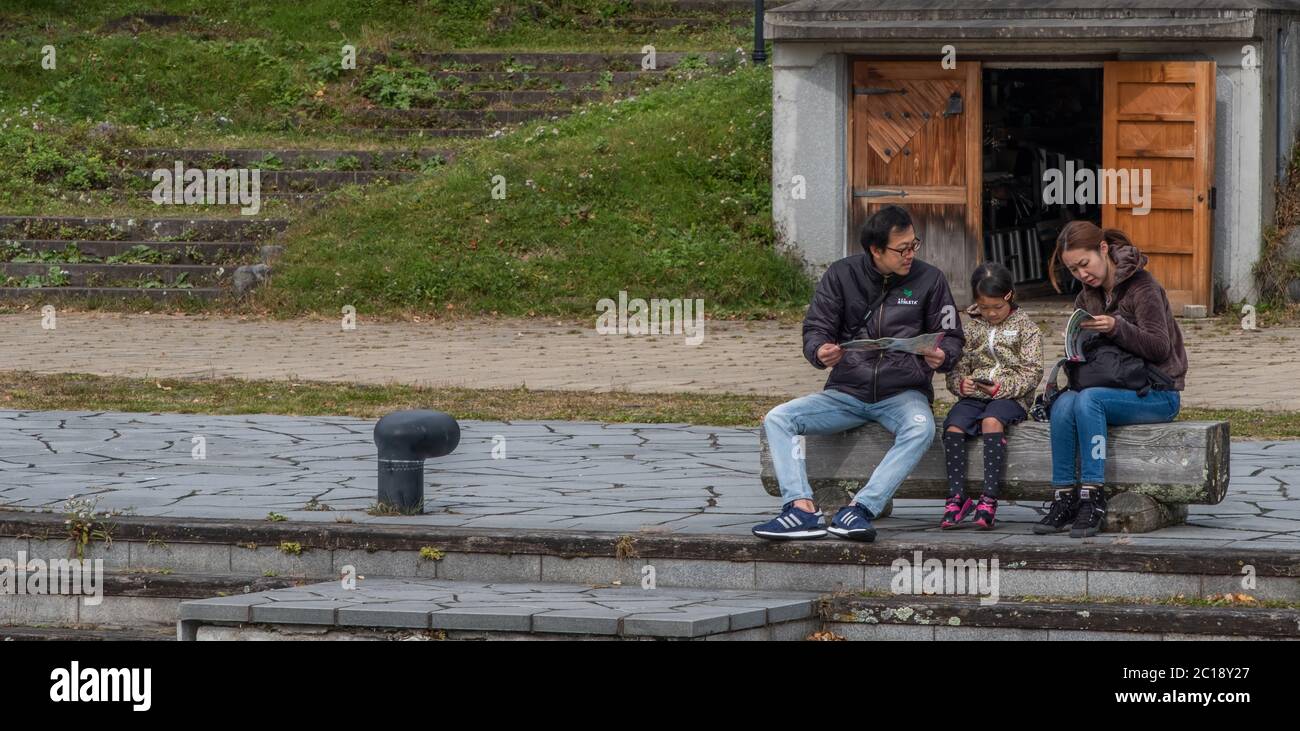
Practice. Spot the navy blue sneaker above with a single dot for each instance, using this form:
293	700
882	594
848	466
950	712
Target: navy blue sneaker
854	523
792	524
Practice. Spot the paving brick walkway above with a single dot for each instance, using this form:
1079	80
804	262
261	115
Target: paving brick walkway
1230	367
624	478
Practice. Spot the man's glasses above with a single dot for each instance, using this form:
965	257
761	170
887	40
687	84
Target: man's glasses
909	249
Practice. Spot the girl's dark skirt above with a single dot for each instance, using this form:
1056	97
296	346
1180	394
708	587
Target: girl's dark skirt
967	414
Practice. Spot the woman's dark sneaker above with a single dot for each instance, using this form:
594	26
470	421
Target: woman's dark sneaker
854	523
956	510
1061	514
985	512
1091	516
792	524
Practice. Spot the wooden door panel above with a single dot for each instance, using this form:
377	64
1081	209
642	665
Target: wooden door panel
905	150
1159	116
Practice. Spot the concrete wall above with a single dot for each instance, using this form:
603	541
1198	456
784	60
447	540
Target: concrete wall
809	109
1240	171
1291	95
1284	91
809	124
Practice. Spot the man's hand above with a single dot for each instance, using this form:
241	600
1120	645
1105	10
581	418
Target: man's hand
1099	323
965	387
935	358
830	354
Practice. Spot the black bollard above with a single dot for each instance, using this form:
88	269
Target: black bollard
405	439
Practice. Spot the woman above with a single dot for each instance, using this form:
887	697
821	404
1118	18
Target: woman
1131	310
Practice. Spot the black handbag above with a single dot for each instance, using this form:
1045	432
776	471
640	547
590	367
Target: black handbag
1042	408
1107	365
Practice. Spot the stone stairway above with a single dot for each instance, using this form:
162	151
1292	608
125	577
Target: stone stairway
210	579
468	610
476	94
116	258
50	258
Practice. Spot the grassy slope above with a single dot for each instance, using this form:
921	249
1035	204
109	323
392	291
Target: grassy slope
666	195
656	216
239	66
236	73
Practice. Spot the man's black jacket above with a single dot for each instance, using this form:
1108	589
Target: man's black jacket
901	307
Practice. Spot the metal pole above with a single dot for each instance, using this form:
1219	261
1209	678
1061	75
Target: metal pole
760	52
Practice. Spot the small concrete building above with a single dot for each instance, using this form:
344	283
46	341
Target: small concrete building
988	120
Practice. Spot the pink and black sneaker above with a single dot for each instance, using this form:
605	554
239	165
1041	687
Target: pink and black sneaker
985	512
956	510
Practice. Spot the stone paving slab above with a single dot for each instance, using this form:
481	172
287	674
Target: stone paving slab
540	607
736	357
623	478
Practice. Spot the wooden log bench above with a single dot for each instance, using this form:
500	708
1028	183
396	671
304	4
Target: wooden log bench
1153	471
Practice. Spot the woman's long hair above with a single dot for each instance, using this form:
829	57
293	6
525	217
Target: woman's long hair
1083	235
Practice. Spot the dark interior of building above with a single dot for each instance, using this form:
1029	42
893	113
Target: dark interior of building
1036	120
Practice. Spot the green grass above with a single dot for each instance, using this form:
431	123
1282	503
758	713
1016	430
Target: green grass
665	195
82	392
431	24
258	66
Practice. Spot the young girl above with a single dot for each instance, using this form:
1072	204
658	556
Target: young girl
995	380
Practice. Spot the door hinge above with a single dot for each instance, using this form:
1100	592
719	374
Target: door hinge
879	193
874	90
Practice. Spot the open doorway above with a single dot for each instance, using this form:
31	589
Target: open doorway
1036	119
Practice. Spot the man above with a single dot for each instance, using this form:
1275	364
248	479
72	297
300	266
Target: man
884	292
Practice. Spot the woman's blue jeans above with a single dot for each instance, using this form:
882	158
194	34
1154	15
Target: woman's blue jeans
1079	421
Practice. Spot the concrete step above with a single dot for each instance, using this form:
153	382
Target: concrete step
307	181
652	23
289	159
476	610
169	252
546	80
481	99
86	634
140	229
106	294
1026	565
530	63
453	118
155	564
956	617
125	192
712	6
131	599
96	275
413	132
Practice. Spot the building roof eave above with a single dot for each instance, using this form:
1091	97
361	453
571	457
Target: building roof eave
786	28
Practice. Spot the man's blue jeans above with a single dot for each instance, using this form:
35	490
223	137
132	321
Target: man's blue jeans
907	415
1079	421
